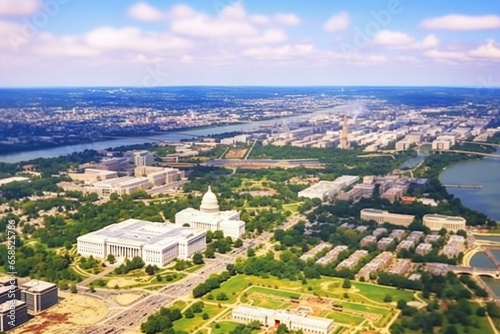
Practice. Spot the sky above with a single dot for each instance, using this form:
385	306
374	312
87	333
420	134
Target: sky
46	43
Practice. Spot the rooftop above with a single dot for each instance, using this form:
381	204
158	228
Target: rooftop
37	286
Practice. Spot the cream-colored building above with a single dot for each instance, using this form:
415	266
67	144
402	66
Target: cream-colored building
328	189
155	243
451	223
91	175
382	216
209	218
122	186
272	318
158	176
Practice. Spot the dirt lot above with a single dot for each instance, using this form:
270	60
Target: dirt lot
73	311
236	153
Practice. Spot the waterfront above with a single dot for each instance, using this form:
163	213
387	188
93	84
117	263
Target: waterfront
484	172
174	136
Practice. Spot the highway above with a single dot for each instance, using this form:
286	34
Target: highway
133	315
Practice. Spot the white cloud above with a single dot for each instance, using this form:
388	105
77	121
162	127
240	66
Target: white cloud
377	58
181	12
67	46
260	19
142	11
281	52
401	40
337	22
131	38
287	19
187	59
461	22
18	7
446	55
392	38
270	36
490	50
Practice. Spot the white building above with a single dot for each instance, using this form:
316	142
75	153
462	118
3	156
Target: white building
14	179
121	185
272	318
451	223
143	158
155	243
382	216
328	189
209	218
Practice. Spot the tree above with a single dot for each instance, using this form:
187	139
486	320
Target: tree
205	316
346	284
111	258
451	330
189	313
481	312
150	270
388	298
73	288
250	252
198	258
282	329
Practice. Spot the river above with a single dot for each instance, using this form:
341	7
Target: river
485	172
173	136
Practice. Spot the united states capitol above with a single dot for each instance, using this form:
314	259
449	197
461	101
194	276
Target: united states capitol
160	243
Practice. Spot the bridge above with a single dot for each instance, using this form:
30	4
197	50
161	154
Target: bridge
494	273
473	153
492	257
464	186
376	155
479	143
149	136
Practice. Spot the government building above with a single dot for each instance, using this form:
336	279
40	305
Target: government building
451	223
382	216
156	243
209	218
274	318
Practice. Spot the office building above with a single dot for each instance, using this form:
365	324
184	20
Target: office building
156	243
400	267
273	318
332	255
39	295
328	189
209	218
423	249
313	251
368	240
382	216
384	243
12	307
380	262
143	158
121	186
91	175
451	223
353	260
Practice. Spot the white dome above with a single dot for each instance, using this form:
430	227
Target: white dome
209	202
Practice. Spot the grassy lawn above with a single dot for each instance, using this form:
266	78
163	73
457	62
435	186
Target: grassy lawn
225	327
195	268
377	292
344	318
193	324
365	308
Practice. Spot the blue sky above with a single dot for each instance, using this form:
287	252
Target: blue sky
227	42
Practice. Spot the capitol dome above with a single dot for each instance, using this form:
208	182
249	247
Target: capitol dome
209	203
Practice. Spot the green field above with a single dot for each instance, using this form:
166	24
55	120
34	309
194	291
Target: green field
345	318
193	324
225	327
377	292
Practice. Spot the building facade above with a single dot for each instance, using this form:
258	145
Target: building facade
274	318
382	216
156	243
39	295
20	312
210	218
451	223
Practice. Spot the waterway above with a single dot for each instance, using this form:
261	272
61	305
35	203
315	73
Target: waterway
413	162
485	172
480	260
173	137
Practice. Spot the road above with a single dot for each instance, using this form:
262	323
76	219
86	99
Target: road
136	313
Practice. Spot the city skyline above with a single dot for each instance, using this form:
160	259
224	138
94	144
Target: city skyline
225	42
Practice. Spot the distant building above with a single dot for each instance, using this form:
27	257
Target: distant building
12	307
379	231
332	255
91	175
353	260
39	295
156	243
423	249
274	318
451	223
209	218
122	186
380	262
384	243
143	158
368	240
19	179
328	189
400	267
315	250
405	244
382	216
